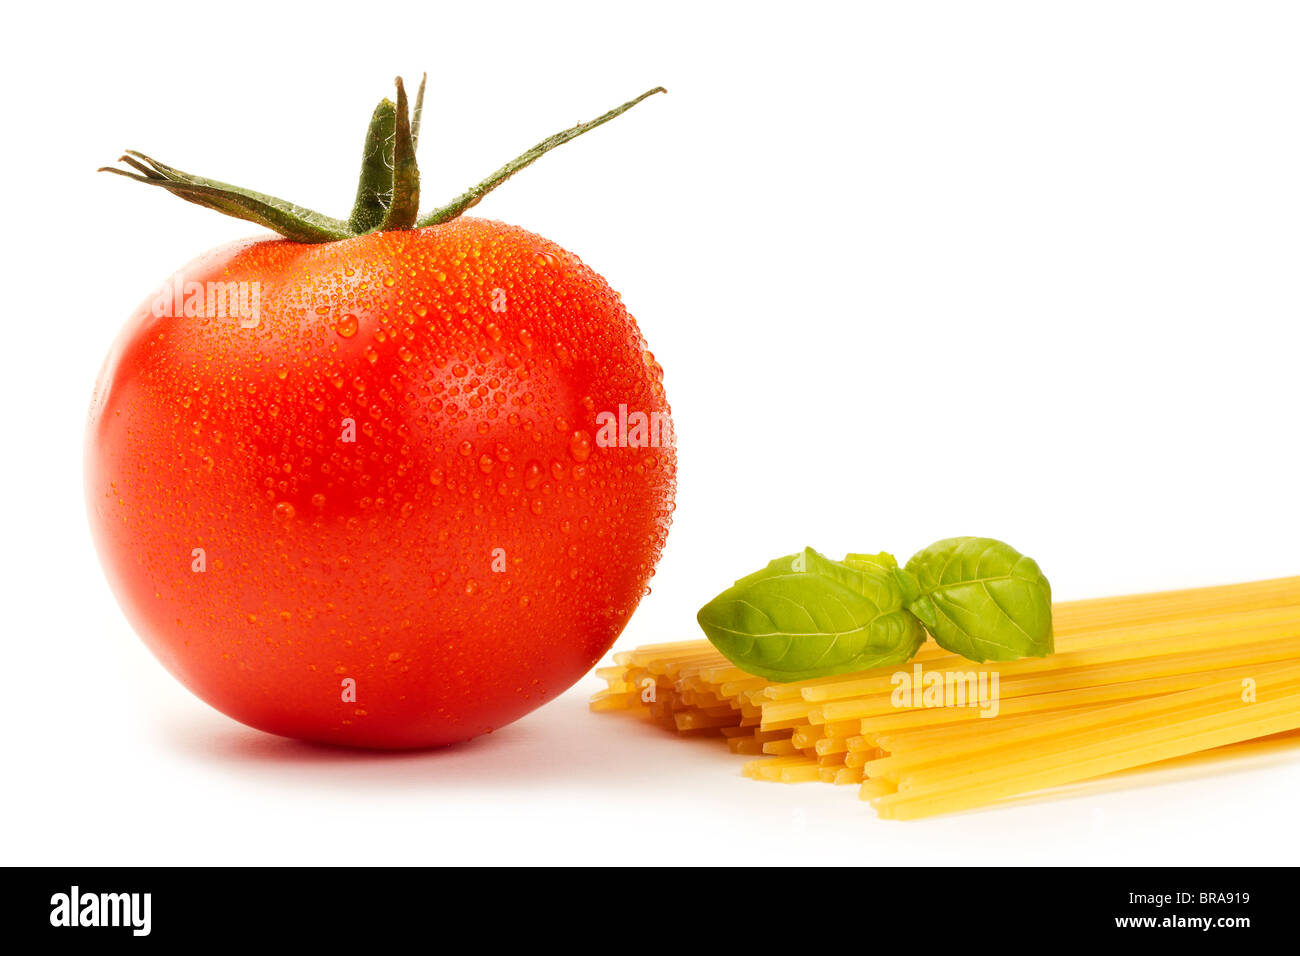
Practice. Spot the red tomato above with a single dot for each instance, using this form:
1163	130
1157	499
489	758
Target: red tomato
390	509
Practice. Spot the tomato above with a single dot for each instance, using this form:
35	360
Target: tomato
399	506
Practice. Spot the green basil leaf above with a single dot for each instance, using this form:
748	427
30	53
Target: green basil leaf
806	616
883	560
886	562
777	566
983	599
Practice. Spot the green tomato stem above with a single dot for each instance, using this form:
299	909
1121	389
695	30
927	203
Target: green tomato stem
375	184
474	194
388	188
286	218
405	204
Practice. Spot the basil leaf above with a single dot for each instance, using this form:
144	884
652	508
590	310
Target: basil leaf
777	566
883	560
886	562
983	599
806	616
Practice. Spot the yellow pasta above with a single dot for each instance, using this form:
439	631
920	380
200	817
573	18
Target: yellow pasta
1060	730
1144	681
1117	752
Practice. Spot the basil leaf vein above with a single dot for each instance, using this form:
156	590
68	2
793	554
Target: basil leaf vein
987	600
807	616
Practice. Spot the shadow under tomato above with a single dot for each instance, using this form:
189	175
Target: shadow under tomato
560	745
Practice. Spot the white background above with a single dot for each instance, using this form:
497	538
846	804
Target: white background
913	270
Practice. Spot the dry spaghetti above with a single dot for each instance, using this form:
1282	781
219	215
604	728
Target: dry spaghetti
1135	681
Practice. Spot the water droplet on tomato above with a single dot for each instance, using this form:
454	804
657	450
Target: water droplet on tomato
532	474
284	511
347	326
580	446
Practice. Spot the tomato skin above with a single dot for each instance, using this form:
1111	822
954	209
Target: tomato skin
470	555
